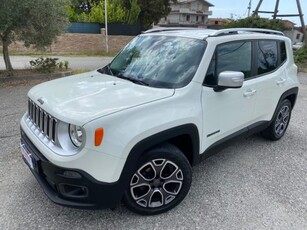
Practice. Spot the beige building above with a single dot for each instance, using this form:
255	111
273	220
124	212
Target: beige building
188	13
217	23
293	33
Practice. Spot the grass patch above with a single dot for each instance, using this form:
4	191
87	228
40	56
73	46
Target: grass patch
300	58
78	71
26	72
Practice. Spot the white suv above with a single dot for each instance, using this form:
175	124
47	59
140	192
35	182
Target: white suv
172	97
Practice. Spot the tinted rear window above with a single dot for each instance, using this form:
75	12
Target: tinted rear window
267	56
283	52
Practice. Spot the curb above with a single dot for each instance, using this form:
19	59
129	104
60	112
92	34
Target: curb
45	76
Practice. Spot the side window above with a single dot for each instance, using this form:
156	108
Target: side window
283	52
267	56
234	56
211	79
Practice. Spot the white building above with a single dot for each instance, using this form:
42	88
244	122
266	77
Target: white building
188	13
294	35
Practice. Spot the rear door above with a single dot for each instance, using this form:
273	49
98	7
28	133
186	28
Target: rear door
270	63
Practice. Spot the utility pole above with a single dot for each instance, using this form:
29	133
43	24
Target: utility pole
276	9
255	13
302	21
106	25
249	7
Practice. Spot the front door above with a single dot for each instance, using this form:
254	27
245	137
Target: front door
231	110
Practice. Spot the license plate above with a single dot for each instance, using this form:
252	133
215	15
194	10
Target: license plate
26	155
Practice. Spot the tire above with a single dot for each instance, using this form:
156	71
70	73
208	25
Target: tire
160	182
280	121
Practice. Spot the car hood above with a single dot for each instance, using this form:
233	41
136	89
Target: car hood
81	98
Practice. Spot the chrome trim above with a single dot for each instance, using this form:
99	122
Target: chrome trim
44	122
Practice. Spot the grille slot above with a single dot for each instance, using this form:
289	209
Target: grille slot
42	120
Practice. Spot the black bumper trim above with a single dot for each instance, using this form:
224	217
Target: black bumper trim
50	177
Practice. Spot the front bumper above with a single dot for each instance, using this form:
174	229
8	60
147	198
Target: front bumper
71	187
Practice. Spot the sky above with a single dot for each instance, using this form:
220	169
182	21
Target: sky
238	8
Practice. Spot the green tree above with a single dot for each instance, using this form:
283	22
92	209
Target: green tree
118	12
133	12
122	11
34	22
257	22
153	10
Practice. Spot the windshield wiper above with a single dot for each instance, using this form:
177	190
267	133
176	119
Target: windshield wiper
110	70
106	70
136	81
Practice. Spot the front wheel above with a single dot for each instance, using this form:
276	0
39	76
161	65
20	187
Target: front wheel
280	121
161	181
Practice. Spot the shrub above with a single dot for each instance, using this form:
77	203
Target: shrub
257	22
300	56
45	64
48	64
61	64
66	63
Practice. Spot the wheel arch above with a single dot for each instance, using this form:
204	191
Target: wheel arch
291	95
185	137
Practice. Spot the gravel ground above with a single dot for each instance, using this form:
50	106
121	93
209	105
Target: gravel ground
254	184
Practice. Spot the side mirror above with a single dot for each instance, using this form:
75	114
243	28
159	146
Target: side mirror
229	79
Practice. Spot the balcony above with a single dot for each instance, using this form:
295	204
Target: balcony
188	11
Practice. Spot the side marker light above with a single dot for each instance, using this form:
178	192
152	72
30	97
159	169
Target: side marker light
98	136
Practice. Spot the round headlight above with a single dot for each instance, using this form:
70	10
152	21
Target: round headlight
76	135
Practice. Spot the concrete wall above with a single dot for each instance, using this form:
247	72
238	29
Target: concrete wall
72	43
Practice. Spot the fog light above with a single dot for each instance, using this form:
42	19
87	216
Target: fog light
73	191
72	174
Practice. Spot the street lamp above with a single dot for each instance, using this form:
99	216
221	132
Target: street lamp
106	24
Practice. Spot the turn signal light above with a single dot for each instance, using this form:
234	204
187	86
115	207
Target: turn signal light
98	136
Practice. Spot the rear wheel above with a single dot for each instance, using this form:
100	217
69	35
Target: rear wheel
160	182
280	121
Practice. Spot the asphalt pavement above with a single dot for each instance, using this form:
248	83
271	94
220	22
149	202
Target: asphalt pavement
253	184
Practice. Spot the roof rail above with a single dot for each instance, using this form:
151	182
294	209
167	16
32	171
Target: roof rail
161	29
223	32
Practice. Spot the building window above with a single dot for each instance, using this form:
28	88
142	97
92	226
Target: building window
298	36
194	6
188	18
197	18
216	22
203	18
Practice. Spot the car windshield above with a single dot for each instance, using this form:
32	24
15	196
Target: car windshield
159	61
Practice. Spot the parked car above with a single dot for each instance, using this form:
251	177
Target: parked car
172	97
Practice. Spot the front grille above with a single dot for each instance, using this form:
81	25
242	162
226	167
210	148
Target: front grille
42	120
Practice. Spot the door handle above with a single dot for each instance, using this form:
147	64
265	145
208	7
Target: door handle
249	93
281	81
